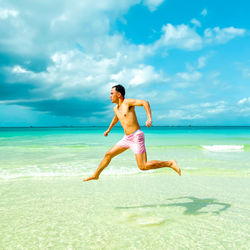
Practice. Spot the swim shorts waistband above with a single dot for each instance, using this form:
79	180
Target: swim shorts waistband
134	132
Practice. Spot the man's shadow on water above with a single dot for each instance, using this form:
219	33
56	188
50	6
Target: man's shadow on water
192	207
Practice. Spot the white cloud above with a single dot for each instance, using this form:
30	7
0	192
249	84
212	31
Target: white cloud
190	76
184	37
22	100
180	36
199	111
61	18
152	4
206	110
6	13
137	76
218	35
196	22
204	12
244	100
214	74
71	74
182	115
52	30
208	104
43	29
91	31
216	110
143	75
215	107
74	73
19	69
214	78
245	111
156	96
201	62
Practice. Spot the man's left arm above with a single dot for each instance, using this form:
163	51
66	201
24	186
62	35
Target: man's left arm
145	104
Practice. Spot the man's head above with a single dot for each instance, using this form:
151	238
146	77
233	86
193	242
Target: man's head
117	91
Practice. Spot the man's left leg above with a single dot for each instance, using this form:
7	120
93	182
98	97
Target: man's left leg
114	151
143	164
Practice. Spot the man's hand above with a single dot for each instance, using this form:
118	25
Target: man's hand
106	133
149	123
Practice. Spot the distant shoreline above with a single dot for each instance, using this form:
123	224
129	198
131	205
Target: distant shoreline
160	126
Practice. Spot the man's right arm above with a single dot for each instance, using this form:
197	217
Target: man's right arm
112	124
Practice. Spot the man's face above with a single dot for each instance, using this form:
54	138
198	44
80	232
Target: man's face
114	95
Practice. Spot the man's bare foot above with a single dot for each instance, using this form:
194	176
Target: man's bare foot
175	167
91	178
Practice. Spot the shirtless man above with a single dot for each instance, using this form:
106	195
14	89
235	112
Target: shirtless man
134	137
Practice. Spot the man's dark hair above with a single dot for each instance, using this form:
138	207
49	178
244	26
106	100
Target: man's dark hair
120	88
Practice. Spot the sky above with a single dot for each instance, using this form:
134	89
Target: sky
189	59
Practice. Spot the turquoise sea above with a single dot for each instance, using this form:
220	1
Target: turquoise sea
45	204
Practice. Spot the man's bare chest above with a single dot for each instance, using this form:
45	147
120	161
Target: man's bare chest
124	112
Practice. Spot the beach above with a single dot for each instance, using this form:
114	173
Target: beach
45	204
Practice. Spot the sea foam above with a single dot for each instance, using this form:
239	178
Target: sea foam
223	148
66	172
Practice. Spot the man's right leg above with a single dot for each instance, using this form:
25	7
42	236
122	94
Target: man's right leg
143	164
114	151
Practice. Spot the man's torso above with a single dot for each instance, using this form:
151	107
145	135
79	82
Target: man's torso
127	117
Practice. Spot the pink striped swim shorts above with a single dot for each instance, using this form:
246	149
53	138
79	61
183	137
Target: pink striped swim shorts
135	141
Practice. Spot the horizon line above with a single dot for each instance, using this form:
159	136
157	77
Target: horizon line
71	126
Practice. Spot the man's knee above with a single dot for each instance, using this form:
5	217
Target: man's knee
109	155
142	167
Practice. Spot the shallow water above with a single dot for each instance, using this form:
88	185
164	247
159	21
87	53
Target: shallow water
45	205
126	212
31	152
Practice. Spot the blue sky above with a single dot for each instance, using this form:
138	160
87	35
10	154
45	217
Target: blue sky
189	59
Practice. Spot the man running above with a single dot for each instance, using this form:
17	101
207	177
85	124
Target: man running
134	137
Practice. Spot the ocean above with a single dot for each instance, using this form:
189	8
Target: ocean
45	204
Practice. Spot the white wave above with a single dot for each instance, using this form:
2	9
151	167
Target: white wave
15	176
37	174
223	148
